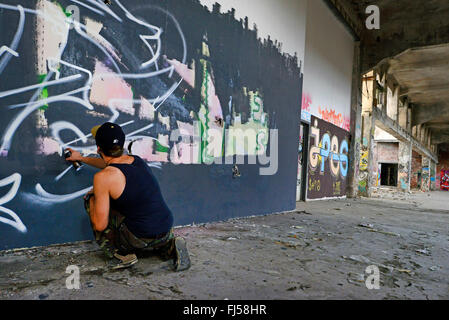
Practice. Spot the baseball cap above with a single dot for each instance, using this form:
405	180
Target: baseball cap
108	135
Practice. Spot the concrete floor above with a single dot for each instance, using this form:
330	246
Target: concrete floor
320	251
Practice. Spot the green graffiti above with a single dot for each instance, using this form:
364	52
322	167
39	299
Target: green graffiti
44	92
161	148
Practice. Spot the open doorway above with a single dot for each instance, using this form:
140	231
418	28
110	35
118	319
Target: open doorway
302	162
389	174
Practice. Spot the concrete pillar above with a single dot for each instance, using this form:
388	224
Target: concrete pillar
392	102
366	181
405	166
403	115
356	124
365	163
433	177
383	94
425	175
421	132
409	117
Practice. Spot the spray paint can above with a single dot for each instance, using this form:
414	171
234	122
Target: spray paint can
76	164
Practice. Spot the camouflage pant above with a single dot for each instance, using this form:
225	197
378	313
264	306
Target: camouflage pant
117	238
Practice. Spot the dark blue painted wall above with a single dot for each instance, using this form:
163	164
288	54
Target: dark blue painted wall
195	193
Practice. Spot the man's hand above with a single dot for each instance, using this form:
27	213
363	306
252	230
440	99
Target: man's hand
76	156
91	192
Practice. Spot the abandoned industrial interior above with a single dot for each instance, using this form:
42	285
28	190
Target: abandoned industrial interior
301	145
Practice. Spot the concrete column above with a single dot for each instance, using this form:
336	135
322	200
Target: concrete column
356	124
364	165
433	177
425	175
409	117
405	166
366	155
403	115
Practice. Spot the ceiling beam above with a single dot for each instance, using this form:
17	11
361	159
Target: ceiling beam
425	113
428	89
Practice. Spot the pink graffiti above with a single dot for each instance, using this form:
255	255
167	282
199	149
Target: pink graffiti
334	118
306	102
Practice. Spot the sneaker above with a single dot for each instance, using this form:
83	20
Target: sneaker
122	262
181	257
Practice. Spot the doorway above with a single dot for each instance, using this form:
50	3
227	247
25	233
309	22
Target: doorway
303	151
389	174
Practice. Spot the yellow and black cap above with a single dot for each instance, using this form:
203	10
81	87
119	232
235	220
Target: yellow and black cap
108	135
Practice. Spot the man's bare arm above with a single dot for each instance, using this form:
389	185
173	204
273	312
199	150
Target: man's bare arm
91	161
99	203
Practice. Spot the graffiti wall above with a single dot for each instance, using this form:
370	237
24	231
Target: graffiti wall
194	90
442	171
444	180
328	68
363	168
328	160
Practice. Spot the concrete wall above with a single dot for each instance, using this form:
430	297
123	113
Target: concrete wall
328	67
206	74
416	170
387	152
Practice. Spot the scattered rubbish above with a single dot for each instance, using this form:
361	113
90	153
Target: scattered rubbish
423	251
297	227
356	278
292	289
231	238
287	244
371	228
43	296
338	209
89	284
304	286
366	225
405	271
434	268
303	212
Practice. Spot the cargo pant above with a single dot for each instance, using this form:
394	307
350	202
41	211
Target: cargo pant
117	238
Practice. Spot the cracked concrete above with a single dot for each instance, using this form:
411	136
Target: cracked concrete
320	251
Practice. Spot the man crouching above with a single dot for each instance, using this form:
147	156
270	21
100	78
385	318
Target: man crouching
126	209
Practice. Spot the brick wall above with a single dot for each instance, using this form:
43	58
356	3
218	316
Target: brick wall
416	168
443	159
387	152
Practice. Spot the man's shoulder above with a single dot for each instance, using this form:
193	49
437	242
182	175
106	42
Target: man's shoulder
107	173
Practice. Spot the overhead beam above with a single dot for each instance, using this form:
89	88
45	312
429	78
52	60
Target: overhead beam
440	136
419	64
429	90
425	113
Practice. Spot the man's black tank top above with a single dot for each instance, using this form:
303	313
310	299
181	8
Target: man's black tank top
146	213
